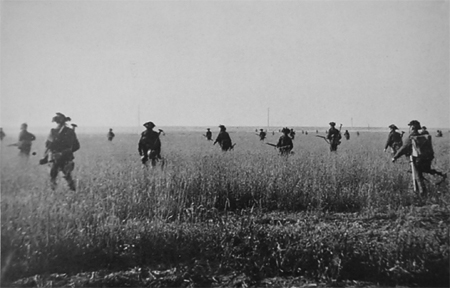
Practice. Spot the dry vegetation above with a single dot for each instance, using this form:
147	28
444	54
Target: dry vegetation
247	217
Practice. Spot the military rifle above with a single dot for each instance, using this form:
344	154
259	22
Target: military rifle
324	138
274	145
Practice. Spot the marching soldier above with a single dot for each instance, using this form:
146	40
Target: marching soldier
285	144
420	149
110	135
149	146
25	139
2	134
224	139
262	135
394	139
347	135
61	144
334	136
424	131
439	133
208	134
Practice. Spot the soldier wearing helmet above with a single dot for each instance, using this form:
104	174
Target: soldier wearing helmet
149	146
223	138
208	134
25	139
61	144
262	135
334	136
285	144
422	162
394	139
110	135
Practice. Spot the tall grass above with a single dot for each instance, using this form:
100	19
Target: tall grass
118	202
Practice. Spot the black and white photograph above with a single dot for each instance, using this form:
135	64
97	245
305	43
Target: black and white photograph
225	143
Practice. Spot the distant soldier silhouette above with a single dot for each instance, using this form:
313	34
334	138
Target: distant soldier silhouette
439	133
347	135
208	134
61	144
306	132
110	135
419	147
292	134
224	139
25	141
2	134
285	144
357	133
262	135
334	136
317	131
394	139
424	131
149	146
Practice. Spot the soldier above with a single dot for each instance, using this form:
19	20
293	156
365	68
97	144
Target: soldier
61	144
2	134
357	133
285	144
424	131
262	135
347	135
439	133
208	134
334	136
110	135
149	146
394	139
223	139
420	149
25	139
292	134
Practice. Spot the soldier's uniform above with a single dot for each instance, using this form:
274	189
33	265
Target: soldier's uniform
61	144
334	136
149	146
285	144
25	139
422	163
262	135
209	135
394	139
347	135
223	138
110	135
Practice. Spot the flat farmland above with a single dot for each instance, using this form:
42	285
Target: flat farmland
244	217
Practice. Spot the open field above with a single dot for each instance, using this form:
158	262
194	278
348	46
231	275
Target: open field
222	219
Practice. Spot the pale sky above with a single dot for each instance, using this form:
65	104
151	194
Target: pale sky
201	63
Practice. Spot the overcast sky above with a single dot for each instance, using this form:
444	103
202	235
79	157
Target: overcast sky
201	63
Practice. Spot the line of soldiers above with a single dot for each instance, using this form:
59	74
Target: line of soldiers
62	142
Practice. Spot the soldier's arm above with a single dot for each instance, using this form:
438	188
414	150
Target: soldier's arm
404	150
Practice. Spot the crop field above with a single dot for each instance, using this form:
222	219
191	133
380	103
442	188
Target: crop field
247	217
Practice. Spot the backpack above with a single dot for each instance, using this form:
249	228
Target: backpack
422	147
